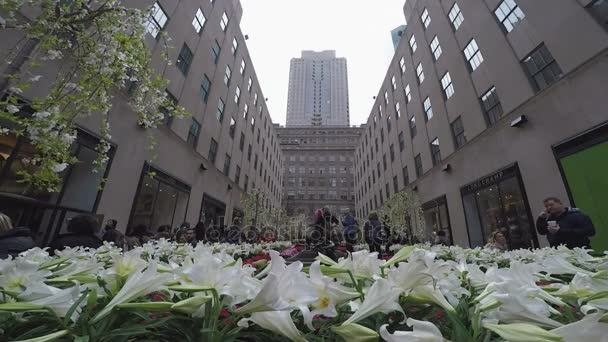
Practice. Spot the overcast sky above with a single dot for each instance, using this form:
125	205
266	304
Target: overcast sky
357	29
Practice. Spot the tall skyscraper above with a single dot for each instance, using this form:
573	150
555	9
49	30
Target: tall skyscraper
318	90
396	34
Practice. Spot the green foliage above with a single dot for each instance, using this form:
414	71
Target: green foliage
86	53
404	213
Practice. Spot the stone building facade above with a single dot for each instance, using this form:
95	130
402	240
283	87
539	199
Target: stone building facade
205	163
488	107
318	168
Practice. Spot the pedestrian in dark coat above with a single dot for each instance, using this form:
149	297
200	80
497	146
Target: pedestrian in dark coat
564	226
13	240
81	232
373	231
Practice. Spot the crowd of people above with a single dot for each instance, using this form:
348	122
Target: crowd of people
561	225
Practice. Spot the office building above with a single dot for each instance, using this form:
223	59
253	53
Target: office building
487	108
318	90
396	34
204	163
319	168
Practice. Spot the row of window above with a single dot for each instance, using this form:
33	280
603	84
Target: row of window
540	66
303	158
156	23
329	195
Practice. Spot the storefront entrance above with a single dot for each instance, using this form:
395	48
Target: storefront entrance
583	162
437	221
498	202
160	200
213	212
46	213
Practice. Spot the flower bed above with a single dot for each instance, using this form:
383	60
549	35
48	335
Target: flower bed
168	292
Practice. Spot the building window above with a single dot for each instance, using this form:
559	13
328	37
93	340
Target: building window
252	124
385	100
448	87
397	110
418	164
402	65
491	106
249	152
381	135
435	152
420	73
255	99
426	18
542	68
227	75
388	123
212	150
156	21
224	22
393	83
245	111
205	86
408	94
255	163
243	67
392	151
193	133
242	141
406	176
184	60
216	49
413	44
237	175
219	114
384	162
249	85
237	95
455	17
473	55
401	141
428	110
458	132
199	21
232	128
227	165
235	46
436	48
413	130
395	184
509	14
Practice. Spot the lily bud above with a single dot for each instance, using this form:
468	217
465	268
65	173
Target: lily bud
147	306
402	255
190	305
523	332
355	332
20	307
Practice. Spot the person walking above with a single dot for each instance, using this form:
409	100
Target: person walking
81	233
13	240
111	234
350	231
564	226
373	230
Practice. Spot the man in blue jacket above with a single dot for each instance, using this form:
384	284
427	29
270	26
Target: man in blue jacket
564	226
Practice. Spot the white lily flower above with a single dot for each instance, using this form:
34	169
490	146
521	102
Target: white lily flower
422	332
329	294
61	301
589	328
279	322
381	297
140	283
362	264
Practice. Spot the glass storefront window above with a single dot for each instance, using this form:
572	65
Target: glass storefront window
437	221
161	200
497	203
